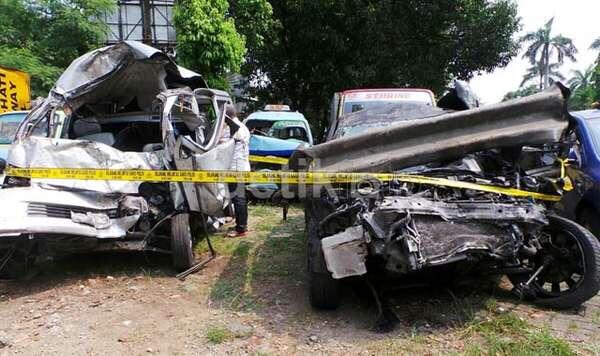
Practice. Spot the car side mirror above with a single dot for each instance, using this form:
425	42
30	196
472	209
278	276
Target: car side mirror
2	165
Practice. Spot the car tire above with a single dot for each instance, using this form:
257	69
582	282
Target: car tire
324	291
590	219
181	242
589	286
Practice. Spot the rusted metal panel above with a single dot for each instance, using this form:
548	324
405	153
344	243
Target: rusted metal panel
532	120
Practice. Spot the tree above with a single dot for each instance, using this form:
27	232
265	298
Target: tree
42	37
543	47
582	79
521	92
583	92
596	75
536	73
207	39
318	47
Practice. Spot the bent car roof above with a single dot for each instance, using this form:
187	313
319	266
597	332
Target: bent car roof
586	114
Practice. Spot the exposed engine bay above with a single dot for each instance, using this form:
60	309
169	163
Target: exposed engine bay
410	227
450	215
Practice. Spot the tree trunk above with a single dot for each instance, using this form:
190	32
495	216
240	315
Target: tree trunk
546	67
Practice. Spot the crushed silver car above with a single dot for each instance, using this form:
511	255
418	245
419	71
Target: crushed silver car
447	223
126	106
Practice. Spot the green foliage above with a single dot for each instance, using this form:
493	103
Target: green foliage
521	92
42	76
207	39
217	334
42	37
253	19
318	47
508	334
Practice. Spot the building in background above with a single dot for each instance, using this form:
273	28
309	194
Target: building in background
148	21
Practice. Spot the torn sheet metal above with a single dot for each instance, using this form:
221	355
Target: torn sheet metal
532	120
215	197
61	153
121	71
108	79
345	253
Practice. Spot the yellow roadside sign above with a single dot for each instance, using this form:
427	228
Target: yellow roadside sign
14	90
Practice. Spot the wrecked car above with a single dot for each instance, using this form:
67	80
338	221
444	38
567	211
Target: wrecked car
461	204
126	106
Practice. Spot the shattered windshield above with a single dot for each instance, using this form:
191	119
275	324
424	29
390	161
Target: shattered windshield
346	131
8	126
383	115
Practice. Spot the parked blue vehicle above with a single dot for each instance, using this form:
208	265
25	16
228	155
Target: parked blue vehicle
582	204
276	131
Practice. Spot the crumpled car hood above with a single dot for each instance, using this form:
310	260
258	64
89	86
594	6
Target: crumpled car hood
534	120
59	153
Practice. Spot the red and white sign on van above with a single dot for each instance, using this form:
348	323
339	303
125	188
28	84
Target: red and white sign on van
423	96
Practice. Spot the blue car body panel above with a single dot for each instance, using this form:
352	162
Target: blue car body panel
270	146
585	175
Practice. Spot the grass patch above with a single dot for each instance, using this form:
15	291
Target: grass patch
507	334
596	317
274	249
217	334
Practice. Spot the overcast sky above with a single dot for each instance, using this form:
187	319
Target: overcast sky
576	19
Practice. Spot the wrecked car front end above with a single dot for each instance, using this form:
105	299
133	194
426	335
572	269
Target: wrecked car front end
463	202
126	106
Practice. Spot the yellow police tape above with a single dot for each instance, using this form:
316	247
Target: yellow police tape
269	159
277	177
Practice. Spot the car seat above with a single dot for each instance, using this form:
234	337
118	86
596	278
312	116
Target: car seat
90	130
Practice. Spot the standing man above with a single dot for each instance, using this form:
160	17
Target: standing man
240	163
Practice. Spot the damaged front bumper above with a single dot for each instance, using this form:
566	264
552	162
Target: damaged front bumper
408	234
39	211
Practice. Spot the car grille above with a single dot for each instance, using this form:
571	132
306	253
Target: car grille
63	211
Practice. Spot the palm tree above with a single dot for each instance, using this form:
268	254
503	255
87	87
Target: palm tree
544	46
582	79
535	72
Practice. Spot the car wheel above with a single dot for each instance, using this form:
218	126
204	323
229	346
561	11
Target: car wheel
181	242
590	219
324	291
571	255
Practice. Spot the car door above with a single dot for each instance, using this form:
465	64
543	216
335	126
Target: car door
193	142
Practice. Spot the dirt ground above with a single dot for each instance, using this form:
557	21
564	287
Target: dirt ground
252	300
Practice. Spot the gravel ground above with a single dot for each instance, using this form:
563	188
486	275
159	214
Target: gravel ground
252	300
